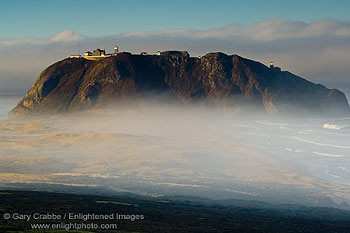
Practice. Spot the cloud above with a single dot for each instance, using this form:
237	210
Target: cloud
63	36
278	29
268	30
66	35
318	51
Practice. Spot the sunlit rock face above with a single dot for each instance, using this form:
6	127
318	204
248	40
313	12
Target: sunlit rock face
217	79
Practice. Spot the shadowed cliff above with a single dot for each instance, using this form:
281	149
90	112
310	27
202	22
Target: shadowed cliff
216	79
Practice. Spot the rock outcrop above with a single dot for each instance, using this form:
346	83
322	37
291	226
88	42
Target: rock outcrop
219	79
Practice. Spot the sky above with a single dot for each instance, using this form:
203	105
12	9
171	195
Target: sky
42	18
309	38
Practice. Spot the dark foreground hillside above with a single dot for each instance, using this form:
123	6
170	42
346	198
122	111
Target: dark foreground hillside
171	214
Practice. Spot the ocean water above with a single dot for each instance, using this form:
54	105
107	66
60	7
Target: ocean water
320	147
8	100
346	92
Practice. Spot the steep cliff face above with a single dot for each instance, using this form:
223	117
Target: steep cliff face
216	78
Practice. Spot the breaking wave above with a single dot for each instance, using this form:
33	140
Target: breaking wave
340	124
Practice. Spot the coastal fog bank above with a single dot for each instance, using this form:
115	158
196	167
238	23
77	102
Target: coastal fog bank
152	148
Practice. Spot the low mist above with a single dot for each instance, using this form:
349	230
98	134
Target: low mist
155	148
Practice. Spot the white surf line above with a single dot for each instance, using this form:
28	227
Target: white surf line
241	192
271	123
313	152
295	150
339	119
333	132
304	131
326	172
329	174
327	155
317	143
245	126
